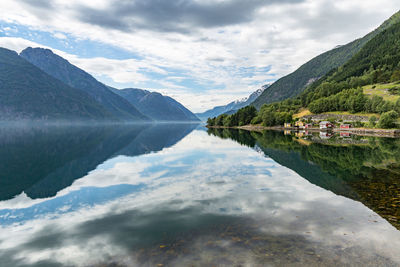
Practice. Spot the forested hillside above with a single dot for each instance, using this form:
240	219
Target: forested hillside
296	82
377	62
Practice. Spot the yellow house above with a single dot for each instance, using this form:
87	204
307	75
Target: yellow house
300	124
288	125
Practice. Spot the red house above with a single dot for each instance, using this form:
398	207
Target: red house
345	126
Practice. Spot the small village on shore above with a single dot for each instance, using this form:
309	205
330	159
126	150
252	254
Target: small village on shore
307	125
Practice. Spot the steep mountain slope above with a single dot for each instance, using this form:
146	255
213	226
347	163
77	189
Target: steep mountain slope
295	83
156	106
376	63
26	92
233	106
381	53
61	69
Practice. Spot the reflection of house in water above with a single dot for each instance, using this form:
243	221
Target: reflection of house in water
325	135
345	134
307	133
300	134
287	132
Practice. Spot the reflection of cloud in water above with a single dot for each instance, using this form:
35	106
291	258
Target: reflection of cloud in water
194	192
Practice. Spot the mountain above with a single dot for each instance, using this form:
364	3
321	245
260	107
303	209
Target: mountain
382	54
27	93
156	106
367	83
233	106
64	71
376	66
296	82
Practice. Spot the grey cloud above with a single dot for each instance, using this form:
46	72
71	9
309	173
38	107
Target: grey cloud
216	59
173	16
47	238
43	4
330	20
43	9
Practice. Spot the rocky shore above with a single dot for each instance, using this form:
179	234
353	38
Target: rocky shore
394	133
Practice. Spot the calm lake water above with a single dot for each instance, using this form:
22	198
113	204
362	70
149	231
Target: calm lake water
179	195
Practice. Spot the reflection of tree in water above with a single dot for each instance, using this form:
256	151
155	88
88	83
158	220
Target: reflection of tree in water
369	172
240	136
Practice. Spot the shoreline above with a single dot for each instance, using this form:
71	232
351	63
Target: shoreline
394	133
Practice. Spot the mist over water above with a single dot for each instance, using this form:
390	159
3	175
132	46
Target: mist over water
177	195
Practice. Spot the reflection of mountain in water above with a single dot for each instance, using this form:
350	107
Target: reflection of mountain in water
367	171
43	161
157	137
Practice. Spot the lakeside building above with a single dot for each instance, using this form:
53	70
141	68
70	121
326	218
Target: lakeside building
345	126
324	125
288	125
300	124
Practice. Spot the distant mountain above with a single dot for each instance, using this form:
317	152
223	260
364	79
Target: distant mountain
156	106
233	106
27	93
296	82
61	69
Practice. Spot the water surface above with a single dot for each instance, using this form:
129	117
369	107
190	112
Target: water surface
172	195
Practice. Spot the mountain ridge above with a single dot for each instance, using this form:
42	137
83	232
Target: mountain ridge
73	76
155	105
232	106
28	93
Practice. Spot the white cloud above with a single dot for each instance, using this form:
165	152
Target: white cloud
60	35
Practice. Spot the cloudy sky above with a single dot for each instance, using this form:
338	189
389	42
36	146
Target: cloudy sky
201	52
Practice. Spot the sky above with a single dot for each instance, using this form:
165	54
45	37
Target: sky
203	53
